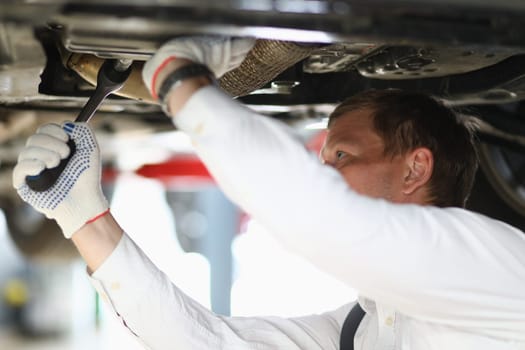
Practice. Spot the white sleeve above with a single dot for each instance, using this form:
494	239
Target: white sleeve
163	317
444	265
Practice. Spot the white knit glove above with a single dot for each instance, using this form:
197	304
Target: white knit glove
220	54
76	197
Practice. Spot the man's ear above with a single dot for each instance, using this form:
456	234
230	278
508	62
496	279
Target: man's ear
420	164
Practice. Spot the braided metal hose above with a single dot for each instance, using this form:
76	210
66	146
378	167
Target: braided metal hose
266	60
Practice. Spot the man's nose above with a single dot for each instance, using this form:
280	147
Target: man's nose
325	162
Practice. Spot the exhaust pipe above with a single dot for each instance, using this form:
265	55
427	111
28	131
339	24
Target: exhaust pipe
266	60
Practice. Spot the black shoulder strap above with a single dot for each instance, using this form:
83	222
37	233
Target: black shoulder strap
350	325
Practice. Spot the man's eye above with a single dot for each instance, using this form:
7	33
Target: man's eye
339	154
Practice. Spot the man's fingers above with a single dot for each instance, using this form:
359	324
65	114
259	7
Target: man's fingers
53	130
29	167
45	149
235	62
50	158
239	49
49	142
241	46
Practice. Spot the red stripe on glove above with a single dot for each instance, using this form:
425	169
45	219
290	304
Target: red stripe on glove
156	74
97	217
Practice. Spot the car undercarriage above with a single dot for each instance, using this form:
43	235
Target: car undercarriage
310	55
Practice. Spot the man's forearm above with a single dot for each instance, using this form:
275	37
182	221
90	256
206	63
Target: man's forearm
96	241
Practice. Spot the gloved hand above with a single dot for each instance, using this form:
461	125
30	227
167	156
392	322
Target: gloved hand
76	197
220	54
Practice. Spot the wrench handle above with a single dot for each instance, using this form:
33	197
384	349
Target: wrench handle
111	77
47	178
92	104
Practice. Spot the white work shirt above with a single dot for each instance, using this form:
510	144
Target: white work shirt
429	278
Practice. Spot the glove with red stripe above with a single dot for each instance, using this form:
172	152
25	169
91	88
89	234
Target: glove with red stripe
220	54
76	198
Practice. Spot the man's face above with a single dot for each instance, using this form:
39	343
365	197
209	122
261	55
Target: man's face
357	152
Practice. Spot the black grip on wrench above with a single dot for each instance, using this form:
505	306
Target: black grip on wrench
47	178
